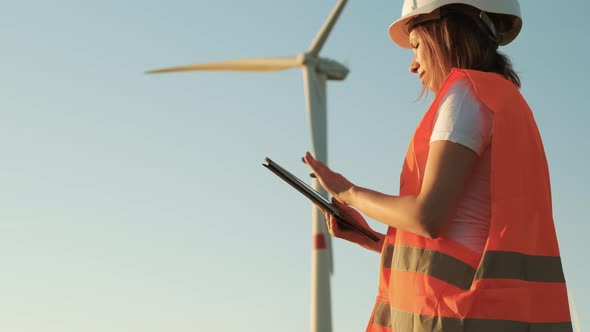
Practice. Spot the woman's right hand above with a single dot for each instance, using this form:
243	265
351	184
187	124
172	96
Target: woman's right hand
340	230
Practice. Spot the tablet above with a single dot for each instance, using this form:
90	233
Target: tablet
319	200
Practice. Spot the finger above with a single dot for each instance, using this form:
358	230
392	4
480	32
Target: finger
328	217
311	161
307	159
324	211
331	226
313	165
317	167
336	202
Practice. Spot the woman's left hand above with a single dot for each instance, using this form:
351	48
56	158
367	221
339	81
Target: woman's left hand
334	183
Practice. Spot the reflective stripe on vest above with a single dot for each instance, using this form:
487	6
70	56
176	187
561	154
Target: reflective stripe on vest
406	321
517	284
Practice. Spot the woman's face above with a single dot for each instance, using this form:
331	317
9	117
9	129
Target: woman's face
420	64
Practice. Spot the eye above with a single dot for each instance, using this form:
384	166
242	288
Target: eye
415	46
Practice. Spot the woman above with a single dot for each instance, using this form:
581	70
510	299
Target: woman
471	244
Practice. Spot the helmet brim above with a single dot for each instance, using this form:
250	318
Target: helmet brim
398	30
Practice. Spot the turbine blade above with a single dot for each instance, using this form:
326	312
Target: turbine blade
252	65
320	39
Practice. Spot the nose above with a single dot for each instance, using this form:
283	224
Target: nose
414	66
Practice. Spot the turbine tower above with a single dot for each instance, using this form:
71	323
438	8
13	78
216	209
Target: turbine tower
316	71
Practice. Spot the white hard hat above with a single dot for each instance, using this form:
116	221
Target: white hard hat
398	30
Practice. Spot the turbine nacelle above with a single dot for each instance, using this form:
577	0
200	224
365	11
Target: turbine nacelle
333	69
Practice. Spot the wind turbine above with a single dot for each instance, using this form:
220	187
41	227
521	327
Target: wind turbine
316	71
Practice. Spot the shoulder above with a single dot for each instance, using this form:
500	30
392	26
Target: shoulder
462	118
462	89
460	101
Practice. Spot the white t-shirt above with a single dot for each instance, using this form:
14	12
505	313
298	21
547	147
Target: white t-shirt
463	119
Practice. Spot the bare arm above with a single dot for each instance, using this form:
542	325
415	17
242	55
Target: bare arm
448	166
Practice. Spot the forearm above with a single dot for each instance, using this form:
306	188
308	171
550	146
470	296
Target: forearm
426	214
402	212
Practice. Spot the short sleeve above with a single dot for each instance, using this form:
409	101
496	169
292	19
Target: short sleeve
463	119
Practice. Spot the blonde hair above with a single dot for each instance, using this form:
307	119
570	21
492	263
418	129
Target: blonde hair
459	40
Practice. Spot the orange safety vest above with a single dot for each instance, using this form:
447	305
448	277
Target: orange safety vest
517	283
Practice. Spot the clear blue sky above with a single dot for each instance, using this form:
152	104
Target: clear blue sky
139	203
